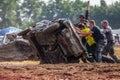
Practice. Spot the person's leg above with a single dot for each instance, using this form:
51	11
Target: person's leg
99	49
97	54
106	59
89	50
92	49
111	52
105	52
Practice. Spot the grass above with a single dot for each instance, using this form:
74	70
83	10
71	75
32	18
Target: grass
117	50
19	63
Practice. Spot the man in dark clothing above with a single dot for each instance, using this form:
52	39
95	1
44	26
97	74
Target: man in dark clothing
109	48
99	39
82	18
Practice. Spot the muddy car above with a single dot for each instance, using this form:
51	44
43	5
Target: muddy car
15	48
16	51
55	42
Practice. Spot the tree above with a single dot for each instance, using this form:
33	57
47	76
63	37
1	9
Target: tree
7	13
103	3
110	13
31	10
27	12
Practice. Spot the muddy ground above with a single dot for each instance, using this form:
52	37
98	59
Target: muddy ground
32	70
35	71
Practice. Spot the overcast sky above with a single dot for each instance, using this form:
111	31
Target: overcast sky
96	2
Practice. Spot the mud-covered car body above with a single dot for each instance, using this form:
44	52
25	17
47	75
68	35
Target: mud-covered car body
55	42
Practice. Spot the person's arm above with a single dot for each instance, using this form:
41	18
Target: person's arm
77	29
106	30
86	33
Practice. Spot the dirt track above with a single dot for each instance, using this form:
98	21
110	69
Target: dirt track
32	70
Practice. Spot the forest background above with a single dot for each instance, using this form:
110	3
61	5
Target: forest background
23	13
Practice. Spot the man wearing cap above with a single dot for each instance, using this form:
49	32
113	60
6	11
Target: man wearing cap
82	19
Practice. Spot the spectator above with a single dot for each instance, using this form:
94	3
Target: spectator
109	48
117	38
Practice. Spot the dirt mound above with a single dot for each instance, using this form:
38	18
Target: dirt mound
17	50
81	71
32	70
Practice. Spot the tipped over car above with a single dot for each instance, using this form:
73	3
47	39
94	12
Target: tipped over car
55	42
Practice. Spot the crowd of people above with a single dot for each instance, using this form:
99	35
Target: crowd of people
99	43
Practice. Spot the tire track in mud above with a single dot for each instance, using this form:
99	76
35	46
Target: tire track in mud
81	71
